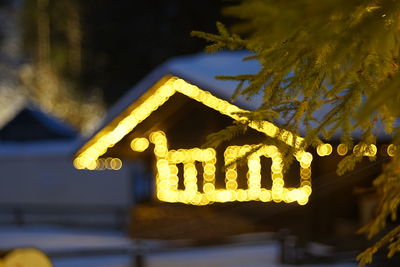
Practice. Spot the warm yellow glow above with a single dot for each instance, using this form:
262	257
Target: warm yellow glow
324	150
99	164
365	150
25	257
167	174
167	177
139	144
115	164
391	150
342	149
86	159
108	139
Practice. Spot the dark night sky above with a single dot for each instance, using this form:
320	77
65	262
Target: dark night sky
124	40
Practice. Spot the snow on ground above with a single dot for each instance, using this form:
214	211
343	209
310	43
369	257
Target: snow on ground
94	248
241	255
60	239
94	261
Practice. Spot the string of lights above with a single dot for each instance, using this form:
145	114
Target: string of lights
167	177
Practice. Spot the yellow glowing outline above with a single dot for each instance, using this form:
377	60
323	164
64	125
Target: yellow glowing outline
167	175
87	157
167	179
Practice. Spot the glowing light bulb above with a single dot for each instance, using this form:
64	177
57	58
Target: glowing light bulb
324	150
116	164
391	150
342	149
365	150
139	144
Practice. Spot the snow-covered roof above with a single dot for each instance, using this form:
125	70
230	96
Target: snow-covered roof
30	119
200	70
65	143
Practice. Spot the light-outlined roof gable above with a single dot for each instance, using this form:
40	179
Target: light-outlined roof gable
150	101
155	91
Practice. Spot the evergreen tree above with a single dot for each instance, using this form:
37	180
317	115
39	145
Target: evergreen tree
336	54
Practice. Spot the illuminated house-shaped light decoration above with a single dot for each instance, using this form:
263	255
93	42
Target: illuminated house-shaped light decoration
124	128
